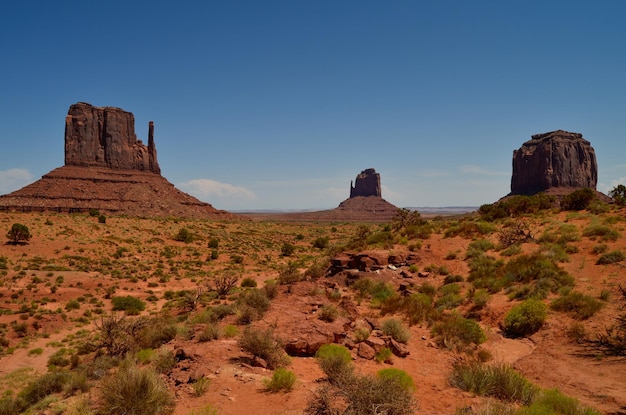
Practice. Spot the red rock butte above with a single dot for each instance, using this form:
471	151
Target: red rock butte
554	160
108	169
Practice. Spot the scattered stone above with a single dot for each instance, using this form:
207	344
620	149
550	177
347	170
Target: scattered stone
366	351
398	349
423	274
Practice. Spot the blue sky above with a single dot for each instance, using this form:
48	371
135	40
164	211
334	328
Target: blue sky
280	104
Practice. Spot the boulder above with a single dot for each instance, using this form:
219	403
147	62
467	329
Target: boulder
557	159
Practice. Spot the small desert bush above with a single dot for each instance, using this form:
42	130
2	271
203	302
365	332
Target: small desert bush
131	305
289	274
525	319
578	199
135	391
184	235
200	386
328	313
248	283
398	331
265	345
281	380
516	206
361	334
287	249
552	401
51	382
479	246
384	355
404	379
164	361
335	361
367	395
581	306
252	305
321	242
417	307
211	331
456	332
603	232
470	229
494	380
612	257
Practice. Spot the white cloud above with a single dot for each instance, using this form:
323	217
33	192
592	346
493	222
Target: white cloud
604	188
14	179
215	192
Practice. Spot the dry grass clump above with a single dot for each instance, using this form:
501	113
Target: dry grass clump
135	391
265	345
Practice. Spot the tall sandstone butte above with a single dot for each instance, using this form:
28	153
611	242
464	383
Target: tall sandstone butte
107	168
557	159
367	184
105	137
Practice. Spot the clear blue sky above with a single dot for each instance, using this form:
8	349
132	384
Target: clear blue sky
279	104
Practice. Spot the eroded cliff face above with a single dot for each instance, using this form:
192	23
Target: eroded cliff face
554	159
367	184
105	137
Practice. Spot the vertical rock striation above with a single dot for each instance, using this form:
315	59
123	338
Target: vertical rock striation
105	137
557	159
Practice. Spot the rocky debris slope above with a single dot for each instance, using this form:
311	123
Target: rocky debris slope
557	159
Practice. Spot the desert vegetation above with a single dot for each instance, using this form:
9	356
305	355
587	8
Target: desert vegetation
183	316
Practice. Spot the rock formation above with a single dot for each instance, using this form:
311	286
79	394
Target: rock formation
367	184
108	169
558	159
105	137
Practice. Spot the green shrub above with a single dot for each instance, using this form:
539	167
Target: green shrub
335	361
184	235
135	391
404	379
495	380
398	331
51	382
478	247
516	205
287	249
211	332
164	361
252	305
457	332
525	319
321	242
72	305
580	305
131	305
552	401
612	257
248	283
605	233
328	313
470	229
102	219
599	249
214	243
384	355
578	199
539	271
265	345
416	307
281	380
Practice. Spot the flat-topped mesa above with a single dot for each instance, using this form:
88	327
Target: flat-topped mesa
367	184
552	160
105	137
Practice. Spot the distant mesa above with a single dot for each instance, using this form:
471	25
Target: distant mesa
107	168
556	162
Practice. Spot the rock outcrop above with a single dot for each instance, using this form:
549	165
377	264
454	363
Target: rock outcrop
367	184
107	169
558	159
105	137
